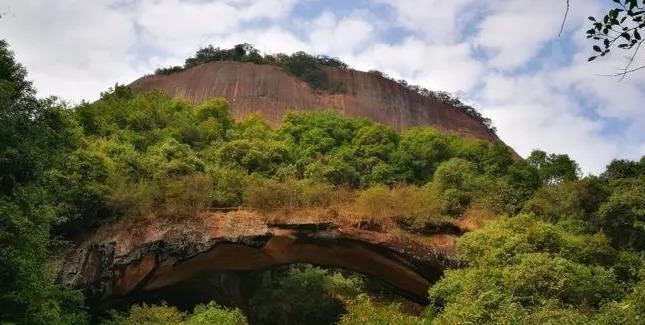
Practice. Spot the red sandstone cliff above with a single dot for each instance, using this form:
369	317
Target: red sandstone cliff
150	258
271	92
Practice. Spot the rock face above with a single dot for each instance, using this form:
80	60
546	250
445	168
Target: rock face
213	255
271	92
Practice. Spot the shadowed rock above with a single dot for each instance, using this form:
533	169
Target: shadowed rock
153	259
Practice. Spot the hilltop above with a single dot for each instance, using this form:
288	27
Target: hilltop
272	85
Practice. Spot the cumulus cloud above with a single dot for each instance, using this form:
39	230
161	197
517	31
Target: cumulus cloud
503	56
437	21
515	32
341	35
70	46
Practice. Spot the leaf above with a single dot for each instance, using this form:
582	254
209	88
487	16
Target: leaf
637	35
596	48
591	58
591	18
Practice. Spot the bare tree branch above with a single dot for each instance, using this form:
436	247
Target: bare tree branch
623	73
631	60
566	14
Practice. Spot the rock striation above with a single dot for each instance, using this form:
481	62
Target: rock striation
269	91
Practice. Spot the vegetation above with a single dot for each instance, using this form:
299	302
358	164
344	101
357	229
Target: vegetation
620	28
303	66
547	246
36	135
165	315
442	97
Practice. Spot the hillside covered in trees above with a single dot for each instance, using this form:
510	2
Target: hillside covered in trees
548	246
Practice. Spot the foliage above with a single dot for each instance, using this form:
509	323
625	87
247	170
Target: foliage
622	215
554	168
308	68
149	154
622	168
621	28
304	295
32	131
529	272
362	311
572	204
168	315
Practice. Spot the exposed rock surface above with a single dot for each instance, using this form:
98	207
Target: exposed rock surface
271	92
155	259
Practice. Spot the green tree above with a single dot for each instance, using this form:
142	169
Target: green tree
419	153
622	168
304	295
454	181
163	314
362	311
622	216
32	132
522	271
554	168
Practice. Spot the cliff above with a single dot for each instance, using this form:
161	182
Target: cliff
271	92
192	260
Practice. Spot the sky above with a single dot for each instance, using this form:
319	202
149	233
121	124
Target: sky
504	57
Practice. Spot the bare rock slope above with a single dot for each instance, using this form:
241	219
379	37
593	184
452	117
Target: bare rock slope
271	92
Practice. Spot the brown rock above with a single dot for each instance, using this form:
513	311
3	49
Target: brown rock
116	266
271	92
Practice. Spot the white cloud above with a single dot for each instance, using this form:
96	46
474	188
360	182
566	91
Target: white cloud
439	21
69	46
437	67
331	34
533	113
179	26
516	32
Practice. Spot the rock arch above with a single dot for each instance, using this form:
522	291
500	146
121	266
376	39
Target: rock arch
151	256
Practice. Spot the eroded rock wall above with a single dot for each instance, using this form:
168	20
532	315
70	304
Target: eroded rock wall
126	261
271	92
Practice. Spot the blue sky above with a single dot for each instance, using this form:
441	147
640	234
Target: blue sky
502	56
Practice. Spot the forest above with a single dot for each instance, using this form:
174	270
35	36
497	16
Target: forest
552	246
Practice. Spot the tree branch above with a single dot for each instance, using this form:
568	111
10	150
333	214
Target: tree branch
631	60
566	14
622	74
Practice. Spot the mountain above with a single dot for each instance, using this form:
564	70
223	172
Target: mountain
271	92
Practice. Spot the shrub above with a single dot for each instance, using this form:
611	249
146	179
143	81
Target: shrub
169	70
148	315
211	314
168	315
376	204
416	206
303	295
362	311
267	195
